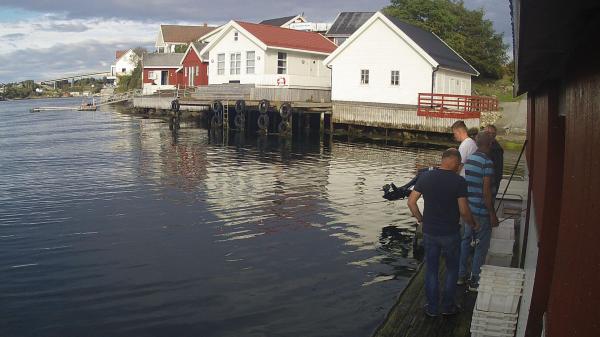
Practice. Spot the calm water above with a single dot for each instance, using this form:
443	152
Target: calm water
112	226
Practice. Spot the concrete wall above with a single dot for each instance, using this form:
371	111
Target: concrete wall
392	116
513	116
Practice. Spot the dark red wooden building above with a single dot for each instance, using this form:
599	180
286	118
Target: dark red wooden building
194	71
557	63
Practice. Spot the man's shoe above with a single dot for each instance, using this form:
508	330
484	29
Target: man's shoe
474	286
430	313
452	311
461	281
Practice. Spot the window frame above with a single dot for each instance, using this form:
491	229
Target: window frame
253	60
281	63
365	75
221	64
235	63
395	78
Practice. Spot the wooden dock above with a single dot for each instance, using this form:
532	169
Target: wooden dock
407	319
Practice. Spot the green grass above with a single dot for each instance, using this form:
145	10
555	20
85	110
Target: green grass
502	88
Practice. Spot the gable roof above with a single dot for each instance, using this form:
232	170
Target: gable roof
426	43
289	38
435	47
278	22
183	34
347	23
168	60
197	47
120	53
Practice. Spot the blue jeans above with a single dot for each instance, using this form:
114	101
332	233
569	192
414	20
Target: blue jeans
484	236
434	246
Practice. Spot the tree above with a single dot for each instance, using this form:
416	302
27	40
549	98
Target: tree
466	31
181	48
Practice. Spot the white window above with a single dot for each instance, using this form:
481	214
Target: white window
197	71
235	36
185	70
250	61
221	64
364	76
235	63
395	78
282	63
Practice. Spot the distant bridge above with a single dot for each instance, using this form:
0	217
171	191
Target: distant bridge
72	78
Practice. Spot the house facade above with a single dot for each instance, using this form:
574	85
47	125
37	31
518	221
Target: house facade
411	61
125	63
171	36
161	72
193	71
270	56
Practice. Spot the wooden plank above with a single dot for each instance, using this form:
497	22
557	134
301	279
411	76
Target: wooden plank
407	319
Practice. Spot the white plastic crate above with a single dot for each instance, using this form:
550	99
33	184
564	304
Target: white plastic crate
500	246
486	323
500	260
513	273
479	333
503	232
507	223
498	299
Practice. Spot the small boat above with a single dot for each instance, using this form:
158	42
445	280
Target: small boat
87	105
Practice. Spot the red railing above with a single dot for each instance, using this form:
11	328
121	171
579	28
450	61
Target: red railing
455	106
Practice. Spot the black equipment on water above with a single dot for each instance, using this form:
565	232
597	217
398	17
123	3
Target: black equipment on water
392	192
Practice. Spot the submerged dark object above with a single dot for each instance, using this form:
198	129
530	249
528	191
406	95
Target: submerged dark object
392	192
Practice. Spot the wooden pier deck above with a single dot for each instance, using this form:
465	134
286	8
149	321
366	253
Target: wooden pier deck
407	319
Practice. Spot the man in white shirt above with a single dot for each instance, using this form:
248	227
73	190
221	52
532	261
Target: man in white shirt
467	144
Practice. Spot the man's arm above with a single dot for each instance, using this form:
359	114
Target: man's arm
489	203
412	205
465	213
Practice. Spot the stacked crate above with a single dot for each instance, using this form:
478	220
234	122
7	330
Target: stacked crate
502	244
498	297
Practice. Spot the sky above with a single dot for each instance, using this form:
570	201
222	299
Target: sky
45	39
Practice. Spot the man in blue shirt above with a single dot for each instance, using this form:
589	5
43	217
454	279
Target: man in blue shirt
445	194
479	173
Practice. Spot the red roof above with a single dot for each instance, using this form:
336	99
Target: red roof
120	53
289	38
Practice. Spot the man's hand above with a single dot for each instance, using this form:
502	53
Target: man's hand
476	227
494	219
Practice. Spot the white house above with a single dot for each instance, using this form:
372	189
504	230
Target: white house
285	22
389	61
265	55
171	36
125	62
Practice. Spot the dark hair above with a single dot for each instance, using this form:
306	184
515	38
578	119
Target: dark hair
451	152
459	125
483	138
492	126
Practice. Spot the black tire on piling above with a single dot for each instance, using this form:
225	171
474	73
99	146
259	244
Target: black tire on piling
263	122
239	121
175	106
285	111
284	127
240	106
216	107
263	106
216	121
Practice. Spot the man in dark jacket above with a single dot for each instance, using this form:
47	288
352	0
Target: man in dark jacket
497	156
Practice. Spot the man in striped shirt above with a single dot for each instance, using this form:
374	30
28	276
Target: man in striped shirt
479	174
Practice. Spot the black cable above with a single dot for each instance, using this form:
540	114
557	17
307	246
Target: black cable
512	175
